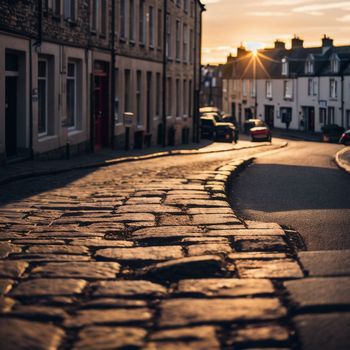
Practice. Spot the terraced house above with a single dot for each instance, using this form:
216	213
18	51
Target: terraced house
70	69
298	88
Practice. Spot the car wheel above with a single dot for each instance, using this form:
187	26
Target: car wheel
269	138
253	139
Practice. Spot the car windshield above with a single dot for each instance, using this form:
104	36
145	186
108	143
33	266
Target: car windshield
207	122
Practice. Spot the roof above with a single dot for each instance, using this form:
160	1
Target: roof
268	62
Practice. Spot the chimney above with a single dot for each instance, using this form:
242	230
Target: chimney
280	45
297	43
241	51
230	58
327	41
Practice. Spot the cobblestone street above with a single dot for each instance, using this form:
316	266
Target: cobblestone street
142	255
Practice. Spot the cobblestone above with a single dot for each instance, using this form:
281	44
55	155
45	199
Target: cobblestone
45	286
184	312
32	335
146	255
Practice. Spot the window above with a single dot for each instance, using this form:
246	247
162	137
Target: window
192	8
178	39
333	87
159	29
309	66
138	97
56	7
42	97
335	64
310	85
285	68
72	95
116	96
94	15
252	88
269	89
169	96
122	19
103	18
178	101
127	86
244	88
151	26
288	89
142	22
185	43
158	95
323	115
69	10
184	97
330	119
186	5
132	20
168	36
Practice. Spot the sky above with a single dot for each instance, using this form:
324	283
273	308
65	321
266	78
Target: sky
257	24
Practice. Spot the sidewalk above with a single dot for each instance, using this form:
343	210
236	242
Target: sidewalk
297	135
342	159
107	157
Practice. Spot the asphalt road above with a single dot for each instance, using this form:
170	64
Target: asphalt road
301	187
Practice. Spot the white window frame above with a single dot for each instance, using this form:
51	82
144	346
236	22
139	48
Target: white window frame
44	133
335	64
178	40
285	67
288	89
185	43
168	37
74	78
309	66
268	89
253	88
244	88
333	88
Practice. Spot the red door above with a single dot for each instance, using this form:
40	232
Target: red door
101	111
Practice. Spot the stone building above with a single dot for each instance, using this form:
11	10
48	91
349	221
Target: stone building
298	88
70	69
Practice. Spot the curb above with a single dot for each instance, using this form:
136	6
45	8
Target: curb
122	160
340	162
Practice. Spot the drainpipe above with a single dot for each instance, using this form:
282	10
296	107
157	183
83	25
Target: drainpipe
164	92
342	100
113	76
31	129
194	113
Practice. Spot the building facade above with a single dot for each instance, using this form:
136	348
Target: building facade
298	88
70	69
211	90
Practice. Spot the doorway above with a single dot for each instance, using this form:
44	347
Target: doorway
11	88
101	105
269	116
309	117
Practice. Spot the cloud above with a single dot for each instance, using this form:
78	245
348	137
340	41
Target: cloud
344	19
267	14
284	3
318	7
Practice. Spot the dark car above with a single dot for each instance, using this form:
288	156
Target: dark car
226	132
332	132
227	118
252	123
345	138
208	124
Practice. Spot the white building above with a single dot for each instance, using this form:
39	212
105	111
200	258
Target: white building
300	88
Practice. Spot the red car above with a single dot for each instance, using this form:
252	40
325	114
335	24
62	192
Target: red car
345	138
260	132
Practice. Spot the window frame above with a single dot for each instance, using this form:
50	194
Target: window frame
46	78
74	79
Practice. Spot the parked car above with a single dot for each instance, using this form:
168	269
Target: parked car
252	123
345	138
213	129
209	110
261	132
226	132
332	132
